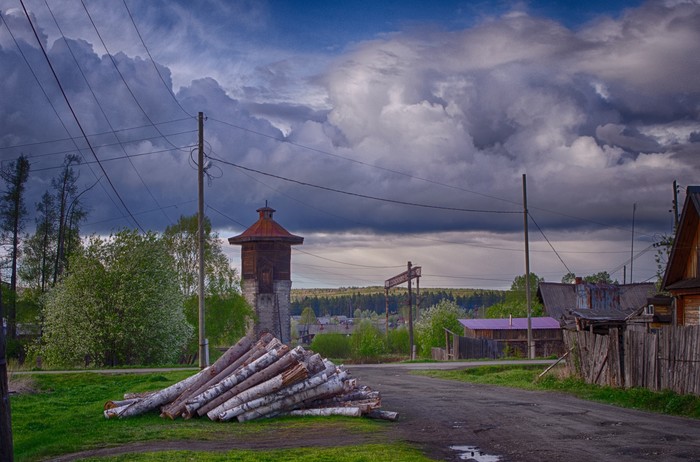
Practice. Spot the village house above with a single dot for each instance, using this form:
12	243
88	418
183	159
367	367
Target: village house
682	276
512	333
597	307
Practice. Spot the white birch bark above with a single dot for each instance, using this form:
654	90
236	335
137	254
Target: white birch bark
287	378
333	385
288	361
243	373
326	411
158	398
231	355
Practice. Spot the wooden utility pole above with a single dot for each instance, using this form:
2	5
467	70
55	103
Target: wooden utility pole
530	349
386	308
675	206
410	313
203	350
6	449
634	210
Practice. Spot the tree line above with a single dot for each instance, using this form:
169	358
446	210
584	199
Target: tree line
346	305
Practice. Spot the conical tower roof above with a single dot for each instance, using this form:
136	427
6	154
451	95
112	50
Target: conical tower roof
266	229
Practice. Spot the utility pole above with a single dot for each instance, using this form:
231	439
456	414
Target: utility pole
6	450
634	210
530	349
410	313
675	206
203	350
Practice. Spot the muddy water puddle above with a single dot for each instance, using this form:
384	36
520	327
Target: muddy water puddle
475	454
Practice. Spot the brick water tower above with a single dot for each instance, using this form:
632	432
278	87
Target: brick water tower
266	255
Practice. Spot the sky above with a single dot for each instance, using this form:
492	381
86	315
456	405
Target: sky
381	131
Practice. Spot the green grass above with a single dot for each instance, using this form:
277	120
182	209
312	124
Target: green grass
361	453
525	377
65	416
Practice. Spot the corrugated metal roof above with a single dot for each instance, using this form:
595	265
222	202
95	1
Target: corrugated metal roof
559	299
505	323
266	229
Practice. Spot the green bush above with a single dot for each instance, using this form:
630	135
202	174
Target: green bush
430	329
398	341
367	342
331	345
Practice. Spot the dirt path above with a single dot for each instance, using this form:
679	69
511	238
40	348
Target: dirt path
522	425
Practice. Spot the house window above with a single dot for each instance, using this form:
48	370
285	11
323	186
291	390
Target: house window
649	310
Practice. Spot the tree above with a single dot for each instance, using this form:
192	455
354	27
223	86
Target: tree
12	215
602	276
430	328
6	452
308	316
515	303
120	304
67	203
183	243
39	250
663	250
568	278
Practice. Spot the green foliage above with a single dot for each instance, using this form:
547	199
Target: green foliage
398	341
367	342
308	317
515	303
226	318
183	243
430	329
120	304
331	345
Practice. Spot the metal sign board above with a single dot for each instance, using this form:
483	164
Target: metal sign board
403	277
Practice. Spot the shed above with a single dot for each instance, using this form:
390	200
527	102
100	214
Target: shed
546	333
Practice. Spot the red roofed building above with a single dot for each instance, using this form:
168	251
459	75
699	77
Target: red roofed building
266	255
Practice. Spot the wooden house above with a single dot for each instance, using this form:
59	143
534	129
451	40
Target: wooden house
682	276
595	307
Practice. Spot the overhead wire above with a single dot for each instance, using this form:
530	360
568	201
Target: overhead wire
75	117
548	242
104	115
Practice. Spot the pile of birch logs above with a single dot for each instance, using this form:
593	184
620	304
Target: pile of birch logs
254	379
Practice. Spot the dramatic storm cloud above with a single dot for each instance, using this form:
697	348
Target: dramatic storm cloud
324	111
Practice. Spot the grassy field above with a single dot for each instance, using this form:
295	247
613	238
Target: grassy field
64	415
525	377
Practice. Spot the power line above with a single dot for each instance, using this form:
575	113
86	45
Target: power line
104	114
364	196
170	92
75	116
550	244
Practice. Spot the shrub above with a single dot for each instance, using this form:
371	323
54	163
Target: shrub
332	345
430	329
367	342
398	341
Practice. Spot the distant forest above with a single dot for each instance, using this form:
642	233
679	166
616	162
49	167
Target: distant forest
346	301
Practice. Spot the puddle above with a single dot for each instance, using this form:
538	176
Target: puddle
475	454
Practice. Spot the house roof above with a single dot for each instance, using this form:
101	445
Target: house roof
538	323
266	229
682	243
559	299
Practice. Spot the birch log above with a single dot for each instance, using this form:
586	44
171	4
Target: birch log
266	400
231	355
326	411
158	398
384	415
333	385
289	360
286	378
229	382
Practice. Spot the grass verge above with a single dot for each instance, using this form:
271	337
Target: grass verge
64	415
361	453
525	377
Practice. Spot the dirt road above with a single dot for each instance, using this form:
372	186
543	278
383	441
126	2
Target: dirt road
522	425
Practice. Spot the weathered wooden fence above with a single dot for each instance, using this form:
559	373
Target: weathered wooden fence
664	360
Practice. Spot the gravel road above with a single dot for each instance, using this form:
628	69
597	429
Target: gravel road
518	425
